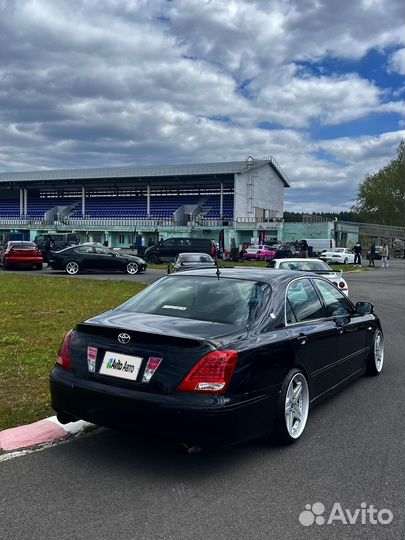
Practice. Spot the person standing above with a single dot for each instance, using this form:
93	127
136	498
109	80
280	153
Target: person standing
384	256
357	253
49	246
304	249
371	256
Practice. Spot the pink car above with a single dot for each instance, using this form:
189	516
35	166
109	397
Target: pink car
259	253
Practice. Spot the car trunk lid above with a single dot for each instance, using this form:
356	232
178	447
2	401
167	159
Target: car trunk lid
174	344
26	253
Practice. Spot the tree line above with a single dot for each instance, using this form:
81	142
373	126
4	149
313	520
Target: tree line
380	197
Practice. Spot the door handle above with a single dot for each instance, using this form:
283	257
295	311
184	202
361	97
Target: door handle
302	339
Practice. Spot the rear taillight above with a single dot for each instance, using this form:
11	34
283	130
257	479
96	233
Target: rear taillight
212	373
64	351
151	366
213	251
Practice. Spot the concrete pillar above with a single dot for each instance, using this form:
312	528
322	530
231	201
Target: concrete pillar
83	201
221	202
25	197
21	202
148	200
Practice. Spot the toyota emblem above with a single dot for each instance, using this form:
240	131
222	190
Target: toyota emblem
124	338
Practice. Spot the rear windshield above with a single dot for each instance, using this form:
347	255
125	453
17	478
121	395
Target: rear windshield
305	266
196	258
223	300
26	246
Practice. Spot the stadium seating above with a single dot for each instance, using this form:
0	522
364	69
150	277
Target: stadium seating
135	207
10	208
36	208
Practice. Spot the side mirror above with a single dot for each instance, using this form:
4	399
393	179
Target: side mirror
364	308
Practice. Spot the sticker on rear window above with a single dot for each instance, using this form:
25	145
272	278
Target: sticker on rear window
179	308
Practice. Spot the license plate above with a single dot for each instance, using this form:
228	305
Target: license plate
120	365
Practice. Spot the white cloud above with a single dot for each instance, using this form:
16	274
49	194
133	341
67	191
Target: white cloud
101	82
396	62
372	150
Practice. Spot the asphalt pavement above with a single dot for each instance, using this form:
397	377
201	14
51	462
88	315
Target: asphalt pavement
111	485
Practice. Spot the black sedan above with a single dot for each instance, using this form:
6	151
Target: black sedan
90	257
211	358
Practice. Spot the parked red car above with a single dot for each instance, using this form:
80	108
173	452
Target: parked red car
259	253
21	254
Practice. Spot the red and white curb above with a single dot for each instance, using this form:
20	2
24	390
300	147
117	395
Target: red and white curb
21	440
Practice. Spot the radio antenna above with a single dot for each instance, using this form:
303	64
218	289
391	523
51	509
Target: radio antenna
218	273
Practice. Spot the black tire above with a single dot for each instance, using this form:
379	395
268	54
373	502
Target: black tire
38	266
6	266
346	261
281	432
72	268
132	268
153	259
374	363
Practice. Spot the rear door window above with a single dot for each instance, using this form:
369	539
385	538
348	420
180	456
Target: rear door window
304	301
84	249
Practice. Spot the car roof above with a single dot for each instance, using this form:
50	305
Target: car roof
300	259
20	242
197	253
267	275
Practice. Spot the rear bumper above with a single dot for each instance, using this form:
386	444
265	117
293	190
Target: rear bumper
24	260
192	418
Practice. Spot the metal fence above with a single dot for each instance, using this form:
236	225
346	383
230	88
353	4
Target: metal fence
377	230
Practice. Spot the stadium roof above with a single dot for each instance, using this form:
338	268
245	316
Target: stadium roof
141	171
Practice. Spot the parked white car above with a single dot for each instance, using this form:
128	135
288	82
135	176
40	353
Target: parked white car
338	255
312	265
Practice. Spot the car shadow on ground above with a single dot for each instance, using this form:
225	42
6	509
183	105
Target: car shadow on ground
133	454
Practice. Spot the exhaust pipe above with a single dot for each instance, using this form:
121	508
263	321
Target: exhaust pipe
65	418
189	449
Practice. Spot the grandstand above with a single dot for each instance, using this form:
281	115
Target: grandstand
117	204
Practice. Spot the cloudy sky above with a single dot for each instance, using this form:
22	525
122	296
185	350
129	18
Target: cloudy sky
318	84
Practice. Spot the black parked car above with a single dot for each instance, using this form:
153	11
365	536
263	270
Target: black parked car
283	251
208	359
168	249
90	257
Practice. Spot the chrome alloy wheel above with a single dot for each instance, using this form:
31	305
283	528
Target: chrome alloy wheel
378	350
132	268
72	268
296	405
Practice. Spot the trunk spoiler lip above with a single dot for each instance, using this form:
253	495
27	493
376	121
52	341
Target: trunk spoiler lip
212	342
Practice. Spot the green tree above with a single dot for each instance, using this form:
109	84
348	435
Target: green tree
381	197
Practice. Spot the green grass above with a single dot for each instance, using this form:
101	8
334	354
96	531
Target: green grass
35	314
